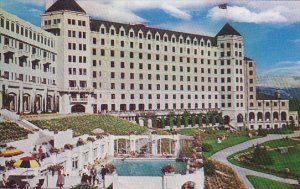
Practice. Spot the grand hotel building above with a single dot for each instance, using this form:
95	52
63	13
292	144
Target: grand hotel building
77	64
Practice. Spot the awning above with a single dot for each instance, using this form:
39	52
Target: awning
35	61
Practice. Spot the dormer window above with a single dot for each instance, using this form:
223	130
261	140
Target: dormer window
112	32
140	35
157	37
131	34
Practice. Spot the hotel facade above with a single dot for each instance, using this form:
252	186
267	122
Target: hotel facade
73	63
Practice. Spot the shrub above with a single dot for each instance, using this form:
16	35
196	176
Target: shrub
168	168
207	147
261	156
209	167
110	168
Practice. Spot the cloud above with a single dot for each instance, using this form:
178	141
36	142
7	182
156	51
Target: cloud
188	27
242	14
284	68
278	81
296	41
285	12
259	12
111	13
174	11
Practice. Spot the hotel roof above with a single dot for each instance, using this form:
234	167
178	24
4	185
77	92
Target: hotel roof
228	30
69	5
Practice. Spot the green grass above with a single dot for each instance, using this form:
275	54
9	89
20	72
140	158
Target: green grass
289	160
193	131
190	131
228	142
264	183
84	124
281	143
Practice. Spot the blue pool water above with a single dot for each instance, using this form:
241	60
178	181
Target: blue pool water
146	167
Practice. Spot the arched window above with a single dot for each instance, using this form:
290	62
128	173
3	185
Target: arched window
283	116
251	116
240	118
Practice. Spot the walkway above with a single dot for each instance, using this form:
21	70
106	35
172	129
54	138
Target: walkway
243	172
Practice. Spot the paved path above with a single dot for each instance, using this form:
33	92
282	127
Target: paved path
243	172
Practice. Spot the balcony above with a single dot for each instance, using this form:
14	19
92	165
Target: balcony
9	49
79	89
35	57
79	100
51	26
5	76
47	60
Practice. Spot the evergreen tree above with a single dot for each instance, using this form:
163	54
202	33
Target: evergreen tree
163	122
154	121
171	119
213	120
178	121
193	120
200	120
207	119
185	119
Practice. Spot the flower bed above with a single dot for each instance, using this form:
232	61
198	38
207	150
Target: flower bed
12	131
223	177
84	124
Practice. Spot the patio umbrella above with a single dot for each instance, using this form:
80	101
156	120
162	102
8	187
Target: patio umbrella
98	131
27	162
11	152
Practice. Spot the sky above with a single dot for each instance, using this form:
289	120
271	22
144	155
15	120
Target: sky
271	29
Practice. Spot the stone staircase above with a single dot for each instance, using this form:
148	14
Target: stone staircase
13	116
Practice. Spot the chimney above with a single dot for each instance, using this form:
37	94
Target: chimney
49	3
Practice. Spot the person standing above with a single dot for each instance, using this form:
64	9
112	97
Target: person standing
40	153
85	175
60	178
5	181
103	173
93	175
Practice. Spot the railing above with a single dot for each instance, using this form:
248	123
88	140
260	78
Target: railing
36	56
51	26
82	89
79	99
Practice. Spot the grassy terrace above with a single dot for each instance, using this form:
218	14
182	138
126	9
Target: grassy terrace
210	137
289	160
11	131
263	183
228	142
84	124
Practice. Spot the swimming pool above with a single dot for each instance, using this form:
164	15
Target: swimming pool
130	167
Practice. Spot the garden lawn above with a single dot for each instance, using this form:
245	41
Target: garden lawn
289	160
84	124
228	142
281	143
264	183
189	131
11	131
